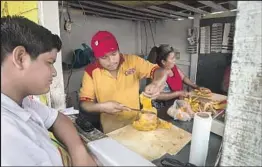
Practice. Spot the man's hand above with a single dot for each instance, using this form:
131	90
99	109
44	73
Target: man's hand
112	107
153	90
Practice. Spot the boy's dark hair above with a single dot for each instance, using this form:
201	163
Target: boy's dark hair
20	31
162	53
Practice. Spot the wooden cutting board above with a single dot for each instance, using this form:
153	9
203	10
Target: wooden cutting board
152	144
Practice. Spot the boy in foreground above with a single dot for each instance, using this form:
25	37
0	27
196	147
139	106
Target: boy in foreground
28	52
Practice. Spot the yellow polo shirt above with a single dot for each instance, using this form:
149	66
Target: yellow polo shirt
99	85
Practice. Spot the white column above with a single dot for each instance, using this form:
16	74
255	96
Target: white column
194	57
49	18
242	142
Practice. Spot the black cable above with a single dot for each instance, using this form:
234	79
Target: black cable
74	61
146	37
152	32
141	40
167	162
62	12
68	80
171	162
68	14
70	74
83	10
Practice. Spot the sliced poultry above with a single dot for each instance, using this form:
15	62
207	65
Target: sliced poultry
146	121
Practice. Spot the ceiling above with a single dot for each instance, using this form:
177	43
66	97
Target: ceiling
150	10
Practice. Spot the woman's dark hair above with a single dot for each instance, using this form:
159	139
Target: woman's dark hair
20	31
162	53
152	55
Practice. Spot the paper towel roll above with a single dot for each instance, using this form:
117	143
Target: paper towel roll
200	138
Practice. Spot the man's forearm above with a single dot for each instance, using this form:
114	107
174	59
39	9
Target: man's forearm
167	96
65	132
188	82
160	76
91	106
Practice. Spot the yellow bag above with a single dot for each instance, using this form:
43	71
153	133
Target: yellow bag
66	159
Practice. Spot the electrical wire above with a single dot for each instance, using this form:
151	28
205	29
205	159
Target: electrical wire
26	11
74	61
141	38
168	162
74	55
83	10
68	14
62	12
146	38
70	74
152	32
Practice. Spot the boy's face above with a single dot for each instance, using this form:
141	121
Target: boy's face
40	72
34	75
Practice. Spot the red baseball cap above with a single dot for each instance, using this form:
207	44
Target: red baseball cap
103	42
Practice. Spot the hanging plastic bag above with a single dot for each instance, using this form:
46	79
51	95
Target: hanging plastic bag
180	110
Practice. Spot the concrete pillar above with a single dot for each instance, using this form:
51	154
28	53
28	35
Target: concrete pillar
242	142
49	18
194	57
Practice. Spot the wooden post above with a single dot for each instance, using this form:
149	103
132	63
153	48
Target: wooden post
242	142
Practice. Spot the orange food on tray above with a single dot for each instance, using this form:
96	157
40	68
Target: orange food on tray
204	92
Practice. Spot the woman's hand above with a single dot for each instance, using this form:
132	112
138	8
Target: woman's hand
183	93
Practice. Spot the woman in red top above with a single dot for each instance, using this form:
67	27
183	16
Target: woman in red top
166	59
226	78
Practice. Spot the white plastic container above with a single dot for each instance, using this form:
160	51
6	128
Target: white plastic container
111	153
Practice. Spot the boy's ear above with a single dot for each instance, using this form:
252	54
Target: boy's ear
19	56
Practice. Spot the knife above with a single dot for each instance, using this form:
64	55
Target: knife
143	111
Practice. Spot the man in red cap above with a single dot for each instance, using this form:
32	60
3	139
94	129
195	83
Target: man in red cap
110	86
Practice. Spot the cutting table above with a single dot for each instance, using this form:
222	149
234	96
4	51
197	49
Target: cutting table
183	155
109	152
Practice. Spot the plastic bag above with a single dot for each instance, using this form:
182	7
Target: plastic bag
180	110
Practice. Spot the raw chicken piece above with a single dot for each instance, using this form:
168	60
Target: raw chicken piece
146	121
